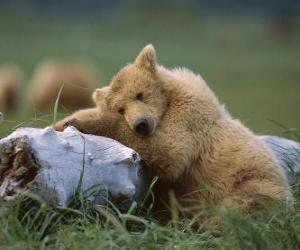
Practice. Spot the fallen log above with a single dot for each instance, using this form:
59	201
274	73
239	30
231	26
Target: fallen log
55	165
287	153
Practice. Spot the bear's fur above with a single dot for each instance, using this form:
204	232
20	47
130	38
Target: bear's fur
79	80
192	144
11	80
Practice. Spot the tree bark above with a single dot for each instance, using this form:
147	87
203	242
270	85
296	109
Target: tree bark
54	165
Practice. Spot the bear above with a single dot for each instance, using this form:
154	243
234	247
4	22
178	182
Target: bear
11	81
78	79
186	137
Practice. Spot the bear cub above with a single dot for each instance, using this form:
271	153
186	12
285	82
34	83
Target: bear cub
185	136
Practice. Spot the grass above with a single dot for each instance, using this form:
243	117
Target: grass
256	75
28	224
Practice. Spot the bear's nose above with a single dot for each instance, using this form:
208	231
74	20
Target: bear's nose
143	126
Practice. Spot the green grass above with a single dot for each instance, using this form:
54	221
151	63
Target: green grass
28	224
255	75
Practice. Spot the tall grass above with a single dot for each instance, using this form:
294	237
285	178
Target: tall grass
29	224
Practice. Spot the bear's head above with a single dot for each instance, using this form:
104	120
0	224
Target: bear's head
136	94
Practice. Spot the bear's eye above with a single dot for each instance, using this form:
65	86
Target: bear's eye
139	96
121	111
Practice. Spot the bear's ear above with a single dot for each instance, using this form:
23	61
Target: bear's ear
99	94
146	59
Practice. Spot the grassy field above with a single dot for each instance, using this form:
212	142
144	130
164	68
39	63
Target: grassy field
254	74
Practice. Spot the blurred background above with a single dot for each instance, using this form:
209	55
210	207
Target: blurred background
247	51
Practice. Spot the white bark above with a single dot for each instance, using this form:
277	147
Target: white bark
50	163
287	153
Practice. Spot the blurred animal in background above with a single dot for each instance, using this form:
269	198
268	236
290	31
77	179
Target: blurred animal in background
78	79
11	79
281	24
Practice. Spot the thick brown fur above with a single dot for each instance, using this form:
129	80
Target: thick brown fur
11	80
79	80
196	148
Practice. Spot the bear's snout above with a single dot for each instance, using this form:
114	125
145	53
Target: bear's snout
144	126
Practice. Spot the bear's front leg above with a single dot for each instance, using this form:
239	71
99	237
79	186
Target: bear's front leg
86	127
95	127
85	115
88	122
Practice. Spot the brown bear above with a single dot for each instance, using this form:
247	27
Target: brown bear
11	80
185	136
79	79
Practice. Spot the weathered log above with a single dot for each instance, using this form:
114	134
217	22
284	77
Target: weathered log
287	153
54	165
